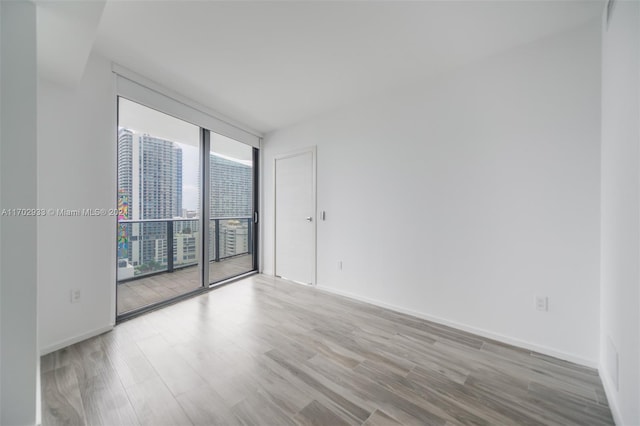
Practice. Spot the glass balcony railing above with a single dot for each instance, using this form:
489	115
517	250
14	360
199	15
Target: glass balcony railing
144	245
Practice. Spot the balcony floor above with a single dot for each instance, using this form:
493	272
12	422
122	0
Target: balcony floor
156	288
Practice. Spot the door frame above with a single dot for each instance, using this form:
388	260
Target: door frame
313	150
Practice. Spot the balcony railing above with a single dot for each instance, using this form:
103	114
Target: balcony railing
144	245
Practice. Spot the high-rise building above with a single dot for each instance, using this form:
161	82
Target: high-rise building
150	177
231	188
234	238
125	166
231	198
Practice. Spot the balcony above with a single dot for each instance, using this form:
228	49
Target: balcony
147	275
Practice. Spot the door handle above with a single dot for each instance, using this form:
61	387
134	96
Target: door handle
309	218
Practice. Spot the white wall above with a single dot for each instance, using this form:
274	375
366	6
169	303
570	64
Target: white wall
620	295
463	199
76	169
18	280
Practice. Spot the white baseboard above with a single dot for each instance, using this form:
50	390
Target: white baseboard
70	341
464	327
611	392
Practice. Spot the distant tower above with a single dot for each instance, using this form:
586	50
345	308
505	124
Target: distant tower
231	197
160	165
231	188
125	164
150	175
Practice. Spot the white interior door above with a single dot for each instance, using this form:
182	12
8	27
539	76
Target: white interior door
295	228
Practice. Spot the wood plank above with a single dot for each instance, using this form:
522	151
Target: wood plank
105	401
380	418
172	368
155	405
256	410
205	406
61	399
340	400
316	414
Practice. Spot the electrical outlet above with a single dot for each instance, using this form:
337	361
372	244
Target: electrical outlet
75	295
340	265
542	303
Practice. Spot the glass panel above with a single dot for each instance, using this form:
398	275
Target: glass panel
231	208
158	193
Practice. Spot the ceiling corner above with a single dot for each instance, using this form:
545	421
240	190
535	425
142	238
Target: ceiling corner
66	33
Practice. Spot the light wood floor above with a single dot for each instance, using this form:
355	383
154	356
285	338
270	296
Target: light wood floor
157	288
264	351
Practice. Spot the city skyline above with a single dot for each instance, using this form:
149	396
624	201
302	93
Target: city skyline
153	183
235	191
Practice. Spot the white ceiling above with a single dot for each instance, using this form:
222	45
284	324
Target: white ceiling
66	32
272	64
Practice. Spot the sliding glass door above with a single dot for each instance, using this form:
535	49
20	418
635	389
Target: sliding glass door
231	209
169	244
